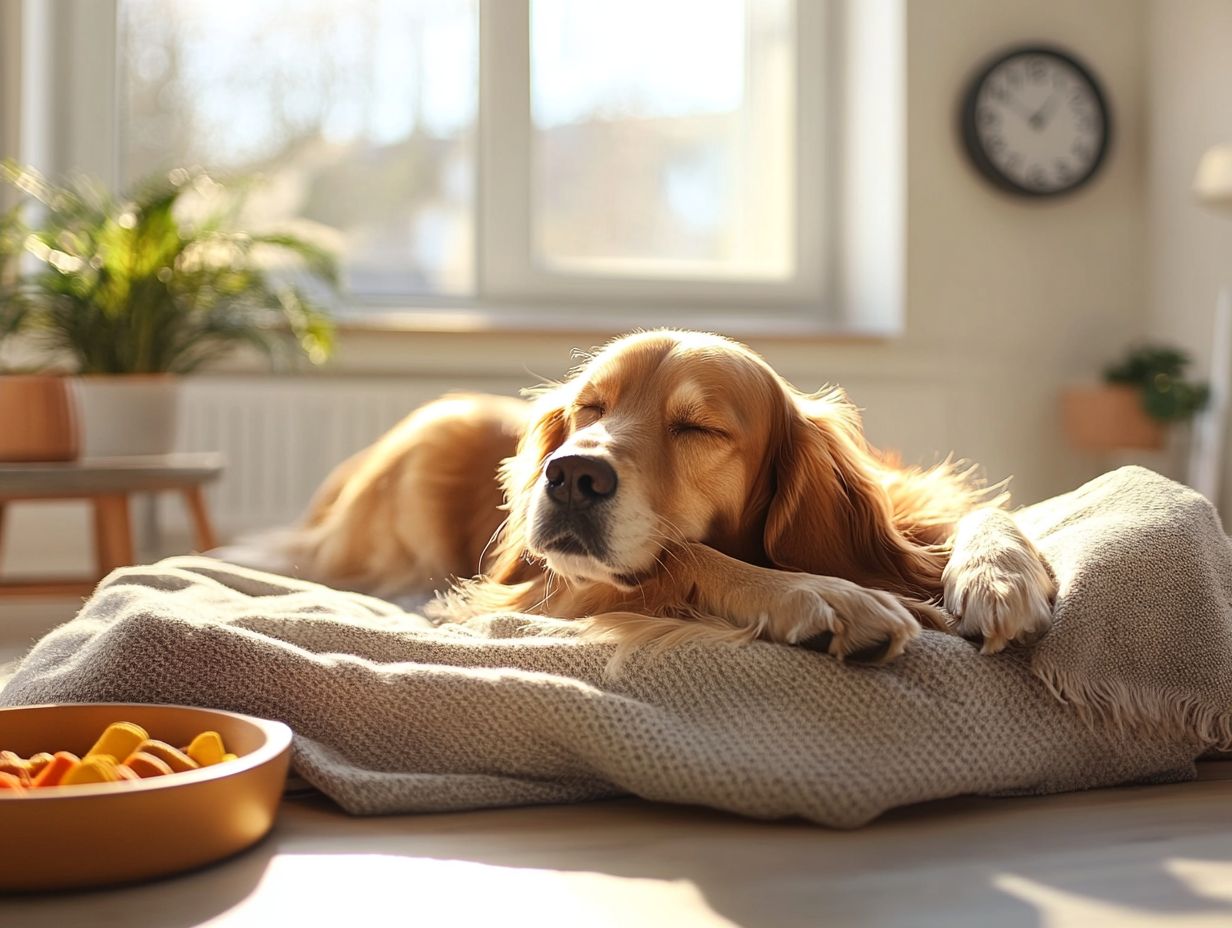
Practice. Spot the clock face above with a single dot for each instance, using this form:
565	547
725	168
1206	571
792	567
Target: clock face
1035	122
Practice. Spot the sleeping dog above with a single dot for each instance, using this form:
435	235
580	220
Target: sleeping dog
676	489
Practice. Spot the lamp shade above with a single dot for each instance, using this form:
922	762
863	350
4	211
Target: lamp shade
1213	183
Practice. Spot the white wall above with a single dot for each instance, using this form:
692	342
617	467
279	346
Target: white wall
1190	109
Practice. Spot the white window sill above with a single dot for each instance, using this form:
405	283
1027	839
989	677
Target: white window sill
590	321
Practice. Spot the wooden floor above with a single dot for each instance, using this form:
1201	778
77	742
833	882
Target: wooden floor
1137	856
1133	856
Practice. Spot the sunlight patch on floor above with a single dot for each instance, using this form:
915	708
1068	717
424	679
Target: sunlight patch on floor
1059	908
315	889
1211	879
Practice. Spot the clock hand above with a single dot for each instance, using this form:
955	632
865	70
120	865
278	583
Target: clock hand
1039	118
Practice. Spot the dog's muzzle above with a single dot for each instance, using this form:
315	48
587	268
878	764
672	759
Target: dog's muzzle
574	518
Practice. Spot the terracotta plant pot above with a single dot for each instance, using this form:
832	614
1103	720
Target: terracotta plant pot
1109	418
127	414
38	419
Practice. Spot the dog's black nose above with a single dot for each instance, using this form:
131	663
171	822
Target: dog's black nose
579	481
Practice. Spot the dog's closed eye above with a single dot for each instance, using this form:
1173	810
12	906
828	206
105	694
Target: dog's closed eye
686	429
586	413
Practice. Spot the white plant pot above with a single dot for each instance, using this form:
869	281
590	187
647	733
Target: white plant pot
127	414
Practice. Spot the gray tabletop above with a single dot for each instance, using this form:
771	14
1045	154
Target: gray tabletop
90	476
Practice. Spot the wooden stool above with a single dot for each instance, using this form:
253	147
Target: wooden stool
107	484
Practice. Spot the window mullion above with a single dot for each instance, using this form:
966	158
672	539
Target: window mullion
503	203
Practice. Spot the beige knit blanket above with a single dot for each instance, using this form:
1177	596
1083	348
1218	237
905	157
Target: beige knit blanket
392	714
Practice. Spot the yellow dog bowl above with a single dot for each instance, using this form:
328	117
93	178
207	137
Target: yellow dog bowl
93	835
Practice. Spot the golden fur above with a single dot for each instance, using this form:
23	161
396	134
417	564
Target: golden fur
744	509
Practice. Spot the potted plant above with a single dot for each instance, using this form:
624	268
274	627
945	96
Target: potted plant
1141	396
136	290
37	414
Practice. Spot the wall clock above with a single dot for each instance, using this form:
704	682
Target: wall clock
1035	122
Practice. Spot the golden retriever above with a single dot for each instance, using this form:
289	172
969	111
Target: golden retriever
676	489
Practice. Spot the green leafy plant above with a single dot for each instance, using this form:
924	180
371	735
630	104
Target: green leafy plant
12	308
132	284
1159	372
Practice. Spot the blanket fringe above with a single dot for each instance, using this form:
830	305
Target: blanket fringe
1113	702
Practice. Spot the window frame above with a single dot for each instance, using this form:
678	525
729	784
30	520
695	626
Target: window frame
850	168
506	199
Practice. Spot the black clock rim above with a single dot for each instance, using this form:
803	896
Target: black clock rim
976	151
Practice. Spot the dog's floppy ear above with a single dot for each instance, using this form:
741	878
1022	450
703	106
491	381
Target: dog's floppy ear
545	432
519	476
829	514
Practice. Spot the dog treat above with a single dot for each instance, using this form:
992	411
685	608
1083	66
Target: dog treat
147	765
119	740
94	768
144	757
38	761
17	766
54	772
174	758
206	749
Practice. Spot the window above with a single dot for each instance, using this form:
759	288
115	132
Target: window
656	161
358	116
699	143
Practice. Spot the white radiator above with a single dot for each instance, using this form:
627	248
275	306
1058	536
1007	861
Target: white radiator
281	436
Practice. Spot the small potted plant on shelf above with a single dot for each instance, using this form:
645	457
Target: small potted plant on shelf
134	291
37	414
1141	396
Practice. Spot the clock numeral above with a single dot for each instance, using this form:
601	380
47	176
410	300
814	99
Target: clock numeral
1063	172
994	143
1086	122
1081	150
987	116
1036	177
1036	69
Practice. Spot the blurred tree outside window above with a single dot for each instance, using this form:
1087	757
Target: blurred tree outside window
662	132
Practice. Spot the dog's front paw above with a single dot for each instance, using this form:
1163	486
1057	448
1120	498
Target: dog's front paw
1000	596
843	619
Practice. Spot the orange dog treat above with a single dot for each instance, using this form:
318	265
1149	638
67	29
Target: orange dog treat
206	749
54	772
12	782
119	740
38	762
177	760
147	765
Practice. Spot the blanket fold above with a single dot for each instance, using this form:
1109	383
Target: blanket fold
394	714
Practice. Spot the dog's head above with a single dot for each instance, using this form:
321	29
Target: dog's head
666	437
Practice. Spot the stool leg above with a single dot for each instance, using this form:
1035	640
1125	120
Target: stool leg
1	531
206	539
113	533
